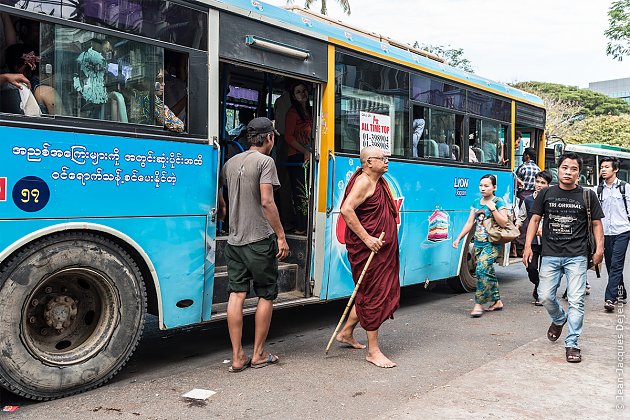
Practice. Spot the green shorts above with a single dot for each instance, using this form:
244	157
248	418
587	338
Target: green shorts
255	262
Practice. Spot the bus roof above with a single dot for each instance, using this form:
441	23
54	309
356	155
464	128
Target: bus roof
374	44
599	149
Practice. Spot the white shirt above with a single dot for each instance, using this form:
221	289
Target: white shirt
616	220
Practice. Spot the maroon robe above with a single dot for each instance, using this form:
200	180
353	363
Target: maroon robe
379	294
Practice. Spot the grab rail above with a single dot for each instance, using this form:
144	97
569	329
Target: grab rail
332	183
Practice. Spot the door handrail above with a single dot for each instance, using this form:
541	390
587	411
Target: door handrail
332	183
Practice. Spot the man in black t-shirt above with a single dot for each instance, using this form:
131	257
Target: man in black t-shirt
565	249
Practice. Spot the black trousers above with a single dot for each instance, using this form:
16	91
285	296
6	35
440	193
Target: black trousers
532	268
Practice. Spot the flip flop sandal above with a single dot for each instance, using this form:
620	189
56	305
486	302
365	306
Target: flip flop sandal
573	355
493	308
555	331
247	364
270	361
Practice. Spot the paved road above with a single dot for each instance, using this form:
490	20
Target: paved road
450	365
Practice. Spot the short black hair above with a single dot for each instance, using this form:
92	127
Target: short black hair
613	161
492	179
518	135
530	152
546	175
13	56
571	156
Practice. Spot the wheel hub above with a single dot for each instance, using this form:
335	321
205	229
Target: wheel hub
60	312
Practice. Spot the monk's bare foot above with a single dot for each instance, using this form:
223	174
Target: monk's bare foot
379	359
350	340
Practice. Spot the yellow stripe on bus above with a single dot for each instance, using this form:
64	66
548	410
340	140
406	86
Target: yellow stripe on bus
327	130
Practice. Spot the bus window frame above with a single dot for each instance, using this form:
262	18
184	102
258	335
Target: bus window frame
462	114
106	127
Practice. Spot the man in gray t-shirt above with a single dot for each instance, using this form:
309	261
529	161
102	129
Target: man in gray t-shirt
256	241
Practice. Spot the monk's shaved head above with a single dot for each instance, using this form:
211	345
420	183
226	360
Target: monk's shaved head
370	151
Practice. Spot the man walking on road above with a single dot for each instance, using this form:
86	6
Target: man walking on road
613	195
369	209
256	241
565	249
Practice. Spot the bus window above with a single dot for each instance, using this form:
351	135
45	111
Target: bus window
489	139
370	93
105	77
436	134
587	174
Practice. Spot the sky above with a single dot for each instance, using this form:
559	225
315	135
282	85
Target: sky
558	41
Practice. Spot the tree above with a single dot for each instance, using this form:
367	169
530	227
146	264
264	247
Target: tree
578	119
605	129
345	5
618	32
590	103
454	56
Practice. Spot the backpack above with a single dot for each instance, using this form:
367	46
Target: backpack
622	190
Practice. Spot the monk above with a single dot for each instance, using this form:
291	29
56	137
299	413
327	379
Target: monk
368	209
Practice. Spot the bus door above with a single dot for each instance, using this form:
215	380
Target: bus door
264	72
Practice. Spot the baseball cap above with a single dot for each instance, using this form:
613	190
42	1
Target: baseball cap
261	125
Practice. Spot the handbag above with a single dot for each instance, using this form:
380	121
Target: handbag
498	234
590	237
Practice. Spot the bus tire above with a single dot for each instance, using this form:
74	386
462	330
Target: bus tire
467	280
72	308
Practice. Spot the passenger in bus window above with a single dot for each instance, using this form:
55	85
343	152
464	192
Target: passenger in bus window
297	132
163	114
443	150
176	83
486	252
21	58
490	147
418	135
472	149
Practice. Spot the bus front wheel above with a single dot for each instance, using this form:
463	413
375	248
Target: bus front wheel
466	281
72	309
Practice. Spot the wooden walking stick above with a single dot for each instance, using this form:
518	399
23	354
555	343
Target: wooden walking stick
354	293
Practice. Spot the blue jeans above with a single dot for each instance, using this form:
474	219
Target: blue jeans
615	247
551	271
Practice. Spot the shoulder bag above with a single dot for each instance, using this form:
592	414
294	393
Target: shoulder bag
590	237
498	234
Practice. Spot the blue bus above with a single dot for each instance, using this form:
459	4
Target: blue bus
110	162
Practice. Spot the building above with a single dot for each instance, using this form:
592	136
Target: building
616	88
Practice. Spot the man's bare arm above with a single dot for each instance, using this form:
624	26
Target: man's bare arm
271	214
598	233
532	229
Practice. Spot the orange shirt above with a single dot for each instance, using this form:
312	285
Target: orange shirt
296	130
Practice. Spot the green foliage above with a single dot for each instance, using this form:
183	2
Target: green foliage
582	116
454	56
590	103
618	32
605	129
345	5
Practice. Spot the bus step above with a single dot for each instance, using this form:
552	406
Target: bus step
284	300
287	282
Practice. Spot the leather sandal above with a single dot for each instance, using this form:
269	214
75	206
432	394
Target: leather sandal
573	355
555	331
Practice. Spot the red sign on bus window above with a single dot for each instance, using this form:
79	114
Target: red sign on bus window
3	188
